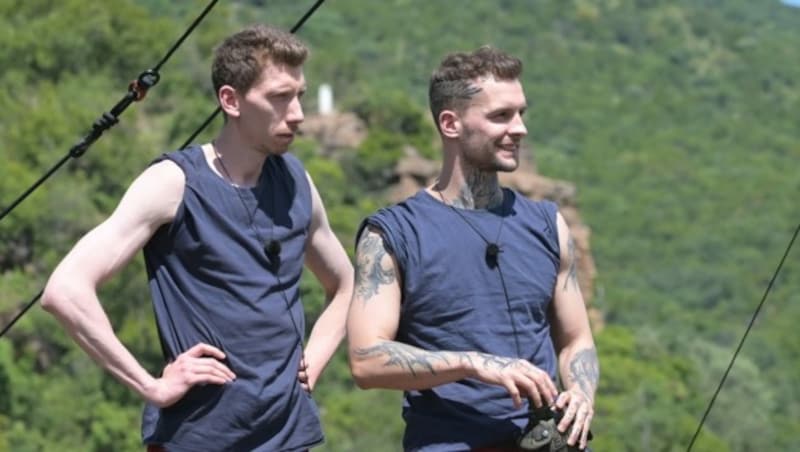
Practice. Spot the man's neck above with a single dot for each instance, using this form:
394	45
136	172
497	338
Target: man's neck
239	164
473	190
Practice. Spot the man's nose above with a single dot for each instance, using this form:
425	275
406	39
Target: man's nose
518	126
294	113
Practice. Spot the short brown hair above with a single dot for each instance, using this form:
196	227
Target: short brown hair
452	83
242	57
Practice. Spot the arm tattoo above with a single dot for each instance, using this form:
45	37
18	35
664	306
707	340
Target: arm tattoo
572	271
493	361
585	370
413	359
403	356
369	272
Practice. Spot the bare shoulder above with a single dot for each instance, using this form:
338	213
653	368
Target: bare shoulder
561	223
155	194
167	174
319	218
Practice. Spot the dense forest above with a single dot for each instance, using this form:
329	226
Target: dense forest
676	120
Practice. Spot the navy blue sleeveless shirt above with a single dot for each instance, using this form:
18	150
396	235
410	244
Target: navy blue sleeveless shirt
211	281
453	299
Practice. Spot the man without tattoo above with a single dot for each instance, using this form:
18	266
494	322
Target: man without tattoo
226	229
466	294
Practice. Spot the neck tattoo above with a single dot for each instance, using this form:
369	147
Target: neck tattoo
493	249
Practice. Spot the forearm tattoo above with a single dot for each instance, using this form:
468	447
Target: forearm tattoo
404	356
572	272
415	360
370	274
494	362
585	371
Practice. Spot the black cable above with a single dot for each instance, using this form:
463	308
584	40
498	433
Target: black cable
218	109
296	27
306	16
21	313
185	35
137	90
201	128
741	342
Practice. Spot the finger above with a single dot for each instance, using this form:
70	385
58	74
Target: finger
204	373
528	387
202	349
546	386
514	392
585	433
218	365
205	377
545	389
569	416
535	397
577	426
212	365
562	400
552	390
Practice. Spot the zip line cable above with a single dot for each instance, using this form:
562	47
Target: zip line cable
741	342
294	29
218	109
137	90
27	307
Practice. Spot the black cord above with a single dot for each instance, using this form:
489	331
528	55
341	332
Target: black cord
137	90
492	256
218	109
272	247
508	307
185	35
21	313
306	16
148	77
741	342
201	128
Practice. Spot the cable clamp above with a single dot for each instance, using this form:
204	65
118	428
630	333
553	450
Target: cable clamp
146	80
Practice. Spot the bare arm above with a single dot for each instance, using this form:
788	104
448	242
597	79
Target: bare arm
378	361
578	365
326	258
71	292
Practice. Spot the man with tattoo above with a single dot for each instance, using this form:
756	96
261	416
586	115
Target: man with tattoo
466	294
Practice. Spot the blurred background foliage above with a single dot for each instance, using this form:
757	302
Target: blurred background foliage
676	120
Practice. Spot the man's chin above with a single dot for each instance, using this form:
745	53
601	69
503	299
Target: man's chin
275	150
507	165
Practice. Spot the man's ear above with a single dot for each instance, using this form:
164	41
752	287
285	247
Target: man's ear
449	123
228	100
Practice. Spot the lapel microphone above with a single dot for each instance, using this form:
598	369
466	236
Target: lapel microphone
272	249
492	252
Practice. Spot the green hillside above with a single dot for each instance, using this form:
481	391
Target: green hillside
676	120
